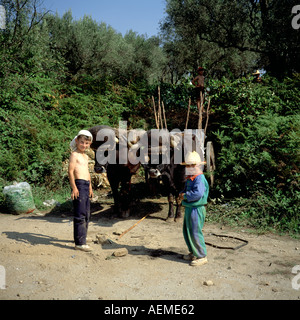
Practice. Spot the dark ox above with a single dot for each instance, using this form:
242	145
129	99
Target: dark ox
106	144
168	156
173	178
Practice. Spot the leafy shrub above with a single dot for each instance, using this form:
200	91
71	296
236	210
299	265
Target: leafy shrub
256	132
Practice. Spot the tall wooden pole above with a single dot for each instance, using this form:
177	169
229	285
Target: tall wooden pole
160	121
207	117
155	113
164	113
201	111
188	114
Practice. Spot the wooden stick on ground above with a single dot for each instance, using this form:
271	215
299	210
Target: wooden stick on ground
123	234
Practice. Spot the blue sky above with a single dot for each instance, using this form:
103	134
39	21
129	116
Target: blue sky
142	16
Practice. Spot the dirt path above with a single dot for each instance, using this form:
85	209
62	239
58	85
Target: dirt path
41	263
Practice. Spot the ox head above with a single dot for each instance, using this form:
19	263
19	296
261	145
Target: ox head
104	143
154	173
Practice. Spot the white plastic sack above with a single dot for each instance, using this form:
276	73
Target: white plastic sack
19	199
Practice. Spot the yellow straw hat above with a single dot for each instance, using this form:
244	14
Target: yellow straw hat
193	158
256	73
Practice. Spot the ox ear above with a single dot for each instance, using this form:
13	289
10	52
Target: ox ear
173	143
147	159
175	139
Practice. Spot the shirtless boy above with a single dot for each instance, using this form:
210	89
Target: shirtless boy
80	181
198	82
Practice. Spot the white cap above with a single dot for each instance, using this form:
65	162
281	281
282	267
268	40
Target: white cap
81	133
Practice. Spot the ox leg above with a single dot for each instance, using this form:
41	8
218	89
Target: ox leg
178	209
125	193
171	206
116	199
152	184
125	200
114	182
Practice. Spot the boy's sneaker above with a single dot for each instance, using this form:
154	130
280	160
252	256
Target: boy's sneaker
189	257
84	248
199	262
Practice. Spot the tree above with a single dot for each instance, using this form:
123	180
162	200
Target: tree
24	44
96	49
235	35
281	43
147	58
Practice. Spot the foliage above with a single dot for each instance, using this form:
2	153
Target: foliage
258	136
230	37
98	50
256	133
263	212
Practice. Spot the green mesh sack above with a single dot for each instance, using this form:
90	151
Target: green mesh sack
19	199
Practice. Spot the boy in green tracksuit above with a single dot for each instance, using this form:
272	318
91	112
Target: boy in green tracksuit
194	198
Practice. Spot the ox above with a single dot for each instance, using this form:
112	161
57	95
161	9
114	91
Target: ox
110	157
167	152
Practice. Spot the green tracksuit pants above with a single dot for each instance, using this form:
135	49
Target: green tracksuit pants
192	231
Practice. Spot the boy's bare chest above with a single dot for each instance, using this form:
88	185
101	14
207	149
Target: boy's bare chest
82	161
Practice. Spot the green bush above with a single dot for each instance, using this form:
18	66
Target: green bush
257	138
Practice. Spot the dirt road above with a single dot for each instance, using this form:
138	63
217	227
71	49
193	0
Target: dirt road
40	262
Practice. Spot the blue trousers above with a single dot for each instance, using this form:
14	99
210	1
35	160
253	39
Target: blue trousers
81	212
